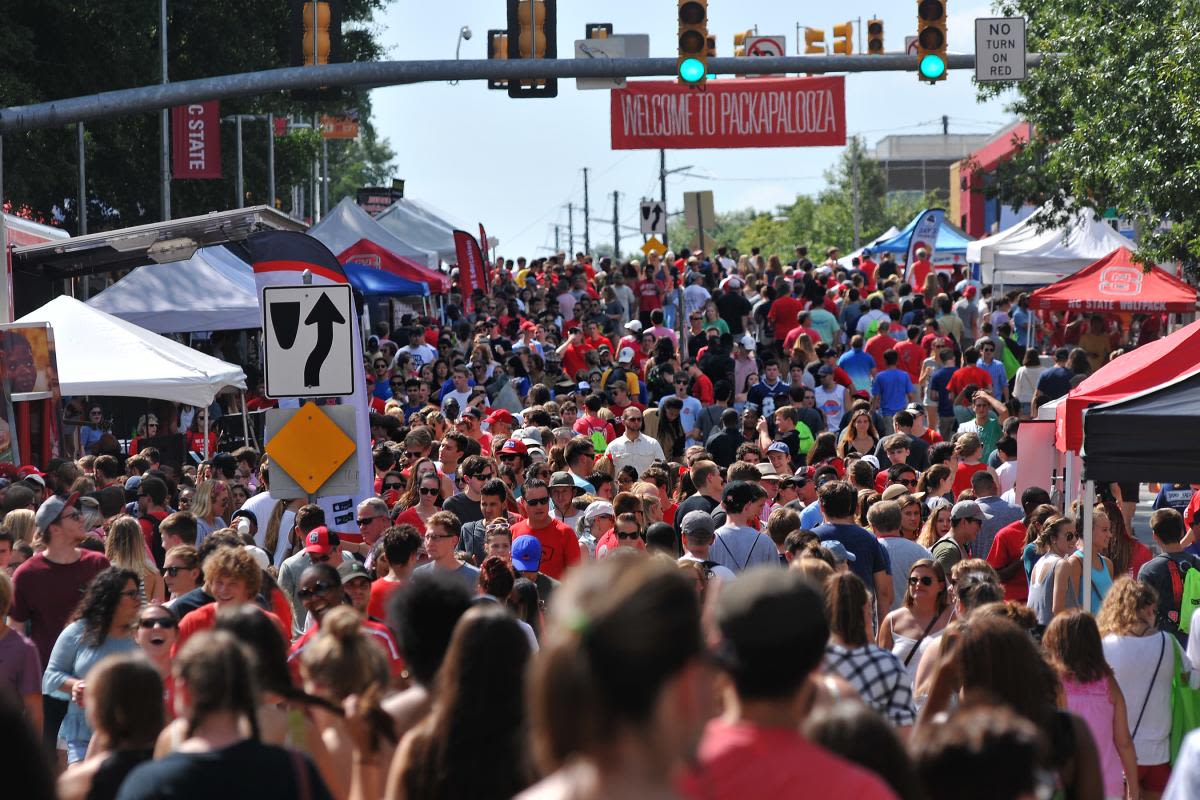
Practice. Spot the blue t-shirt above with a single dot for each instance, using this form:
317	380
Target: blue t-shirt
869	555
939	382
1055	382
858	365
892	387
997	373
1174	495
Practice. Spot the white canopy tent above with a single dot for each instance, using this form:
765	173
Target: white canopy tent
347	224
211	291
99	354
1021	255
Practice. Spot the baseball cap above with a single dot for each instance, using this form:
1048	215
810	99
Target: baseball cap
779	447
748	342
733	282
825	369
526	553
968	509
320	541
633	325
500	415
599	508
349	570
584	386
472	411
838	551
894	491
562	479
28	471
259	554
626	354
52	508
514	447
969	291
697	524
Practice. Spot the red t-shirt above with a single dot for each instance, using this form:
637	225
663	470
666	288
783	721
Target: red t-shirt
782	315
560	546
962	478
790	340
45	594
1006	548
739	760
649	295
911	357
877	345
409	516
574	359
375	632
702	389
918	272
205	617
867	267
966	375
381	590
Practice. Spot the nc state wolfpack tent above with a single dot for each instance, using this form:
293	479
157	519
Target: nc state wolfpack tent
1117	283
1148	366
1023	255
211	291
99	354
1149	436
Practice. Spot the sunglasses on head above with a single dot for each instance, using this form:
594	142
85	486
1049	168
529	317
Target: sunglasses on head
320	587
924	580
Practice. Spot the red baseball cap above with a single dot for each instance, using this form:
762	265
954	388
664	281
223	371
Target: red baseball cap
969	291
514	447
320	541
28	470
499	415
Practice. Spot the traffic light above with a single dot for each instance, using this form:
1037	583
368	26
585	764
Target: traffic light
875	37
692	66
497	48
843	38
739	43
597	30
814	41
316	32
532	34
931	40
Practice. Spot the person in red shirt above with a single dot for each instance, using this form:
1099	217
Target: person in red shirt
919	270
782	316
802	320
969	374
911	353
879	344
700	386
773	637
829	357
574	353
867	267
1009	544
591	422
560	546
401	543
233	578
595	338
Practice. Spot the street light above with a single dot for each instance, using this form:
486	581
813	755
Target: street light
463	33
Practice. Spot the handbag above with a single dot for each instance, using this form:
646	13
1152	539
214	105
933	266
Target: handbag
924	634
1185	708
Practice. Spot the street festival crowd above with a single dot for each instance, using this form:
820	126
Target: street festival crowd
718	525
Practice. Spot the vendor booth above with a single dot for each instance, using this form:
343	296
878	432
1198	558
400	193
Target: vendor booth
347	227
1117	283
951	243
1025	256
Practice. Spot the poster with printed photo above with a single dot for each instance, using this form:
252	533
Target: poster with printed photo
31	370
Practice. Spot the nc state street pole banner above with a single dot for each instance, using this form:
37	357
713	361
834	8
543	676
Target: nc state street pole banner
756	112
196	141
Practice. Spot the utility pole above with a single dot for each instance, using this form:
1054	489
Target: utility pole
587	225
164	116
945	125
557	242
616	228
570	229
241	186
325	175
316	174
271	160
82	210
856	155
662	180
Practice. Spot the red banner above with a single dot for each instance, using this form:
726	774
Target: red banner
471	274
759	112
196	141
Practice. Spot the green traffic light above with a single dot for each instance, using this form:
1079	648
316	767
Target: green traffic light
932	67
691	70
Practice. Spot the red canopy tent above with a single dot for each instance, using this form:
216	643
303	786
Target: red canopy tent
367	252
1117	283
1144	368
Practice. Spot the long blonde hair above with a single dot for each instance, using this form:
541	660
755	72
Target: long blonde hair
19	523
202	501
125	547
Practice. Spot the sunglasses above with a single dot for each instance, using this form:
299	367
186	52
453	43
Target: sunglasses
485	476
412	454
132	594
173	571
924	580
537	501
427	490
320	587
436	536
632	535
366	520
396	486
166	623
910	483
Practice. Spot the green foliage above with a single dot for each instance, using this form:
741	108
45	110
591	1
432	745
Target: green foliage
55	49
1115	119
365	161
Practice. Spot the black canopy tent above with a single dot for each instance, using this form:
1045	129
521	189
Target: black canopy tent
1152	436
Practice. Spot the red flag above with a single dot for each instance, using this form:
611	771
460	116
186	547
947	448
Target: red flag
471	274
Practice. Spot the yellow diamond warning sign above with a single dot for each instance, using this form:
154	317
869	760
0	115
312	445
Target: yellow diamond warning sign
309	447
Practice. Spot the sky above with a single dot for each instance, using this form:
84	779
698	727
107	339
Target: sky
514	165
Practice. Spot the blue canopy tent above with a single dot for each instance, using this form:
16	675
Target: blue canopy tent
951	242
374	282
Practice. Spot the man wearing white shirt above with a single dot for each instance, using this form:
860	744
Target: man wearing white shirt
698	535
420	352
632	447
694	295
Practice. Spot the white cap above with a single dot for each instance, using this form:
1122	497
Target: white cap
259	554
747	341
626	355
634	325
733	281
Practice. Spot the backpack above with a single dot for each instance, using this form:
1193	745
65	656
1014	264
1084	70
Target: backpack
1185	593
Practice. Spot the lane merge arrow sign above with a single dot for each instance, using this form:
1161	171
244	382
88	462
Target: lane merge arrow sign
653	218
307	340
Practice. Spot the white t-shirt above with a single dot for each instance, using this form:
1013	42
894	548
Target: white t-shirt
1007	474
421	355
1133	660
262	505
721	572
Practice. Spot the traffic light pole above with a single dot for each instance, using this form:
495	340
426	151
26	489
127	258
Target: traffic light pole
587	224
373	74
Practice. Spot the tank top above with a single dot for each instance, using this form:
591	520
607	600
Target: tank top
1092	702
1101	582
1041	592
112	771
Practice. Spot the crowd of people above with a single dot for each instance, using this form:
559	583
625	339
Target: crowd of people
715	525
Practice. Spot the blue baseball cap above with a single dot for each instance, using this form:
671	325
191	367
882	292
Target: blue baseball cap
526	553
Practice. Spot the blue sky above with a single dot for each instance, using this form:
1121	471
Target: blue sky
478	156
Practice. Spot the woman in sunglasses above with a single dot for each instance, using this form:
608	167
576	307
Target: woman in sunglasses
418	509
157	630
1056	541
909	630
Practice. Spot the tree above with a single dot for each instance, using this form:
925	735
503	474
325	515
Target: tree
1114	118
53	49
365	161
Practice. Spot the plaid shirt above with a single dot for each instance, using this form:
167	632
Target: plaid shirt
878	676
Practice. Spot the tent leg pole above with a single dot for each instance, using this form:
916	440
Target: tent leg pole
207	409
1089	500
245	422
1029	330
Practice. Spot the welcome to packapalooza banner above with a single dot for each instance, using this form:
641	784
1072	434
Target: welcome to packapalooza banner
734	112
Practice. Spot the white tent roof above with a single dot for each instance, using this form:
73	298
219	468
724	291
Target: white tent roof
417	223
99	354
1023	256
211	291
347	224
